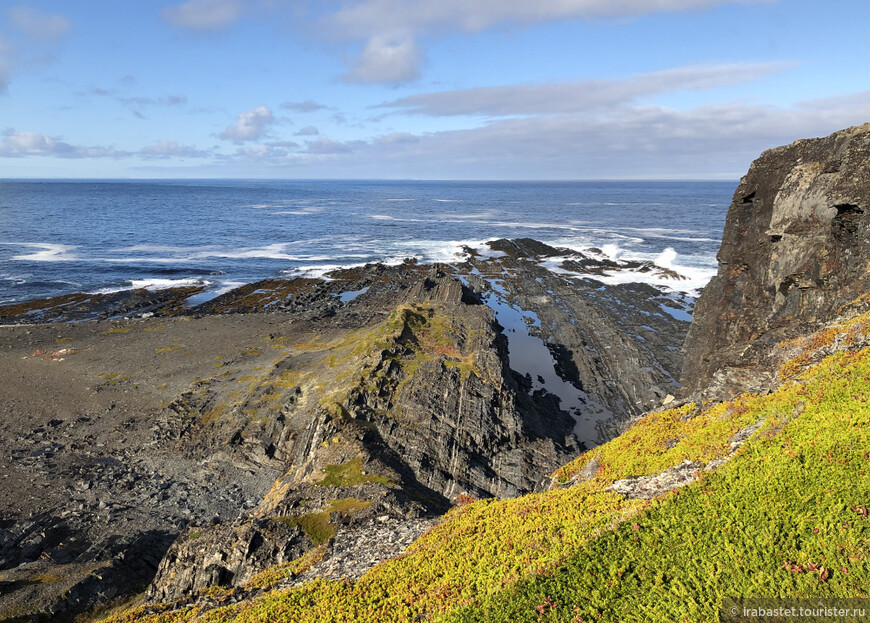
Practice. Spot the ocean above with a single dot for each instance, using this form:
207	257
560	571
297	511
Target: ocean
58	237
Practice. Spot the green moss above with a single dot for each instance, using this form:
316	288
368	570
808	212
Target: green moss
316	526
349	474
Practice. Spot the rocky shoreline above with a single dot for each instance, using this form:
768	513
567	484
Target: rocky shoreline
148	442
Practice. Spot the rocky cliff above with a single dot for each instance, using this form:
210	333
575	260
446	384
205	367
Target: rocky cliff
795	250
192	449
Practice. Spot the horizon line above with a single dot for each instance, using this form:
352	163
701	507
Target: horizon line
367	179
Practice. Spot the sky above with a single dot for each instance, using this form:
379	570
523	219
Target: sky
422	89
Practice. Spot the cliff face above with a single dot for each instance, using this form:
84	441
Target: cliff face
794	251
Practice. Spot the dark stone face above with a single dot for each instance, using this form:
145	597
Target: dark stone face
795	249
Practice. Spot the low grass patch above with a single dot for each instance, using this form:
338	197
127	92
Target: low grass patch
349	474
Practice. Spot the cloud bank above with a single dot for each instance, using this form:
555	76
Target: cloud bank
580	96
20	144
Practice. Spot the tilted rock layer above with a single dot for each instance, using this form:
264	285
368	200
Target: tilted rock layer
793	253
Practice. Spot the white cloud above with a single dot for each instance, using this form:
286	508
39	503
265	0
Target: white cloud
308	130
366	18
21	144
631	141
249	126
203	15
37	25
387	60
171	149
578	96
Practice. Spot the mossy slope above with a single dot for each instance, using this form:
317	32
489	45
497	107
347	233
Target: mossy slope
785	516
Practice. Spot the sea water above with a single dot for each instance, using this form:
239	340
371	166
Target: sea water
58	237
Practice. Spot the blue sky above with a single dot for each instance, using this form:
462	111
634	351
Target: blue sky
415	89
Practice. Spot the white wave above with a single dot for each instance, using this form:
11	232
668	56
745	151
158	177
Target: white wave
47	252
318	271
283	203
695	277
301	212
385	217
666	258
440	251
612	251
18	280
154	284
480	217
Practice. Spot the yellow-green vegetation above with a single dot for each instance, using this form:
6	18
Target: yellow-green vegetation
809	348
116	330
412	334
349	474
61	340
787	515
167	349
317	526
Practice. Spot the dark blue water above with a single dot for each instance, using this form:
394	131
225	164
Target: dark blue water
60	237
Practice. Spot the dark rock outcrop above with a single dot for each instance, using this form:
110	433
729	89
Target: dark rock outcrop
225	555
795	250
